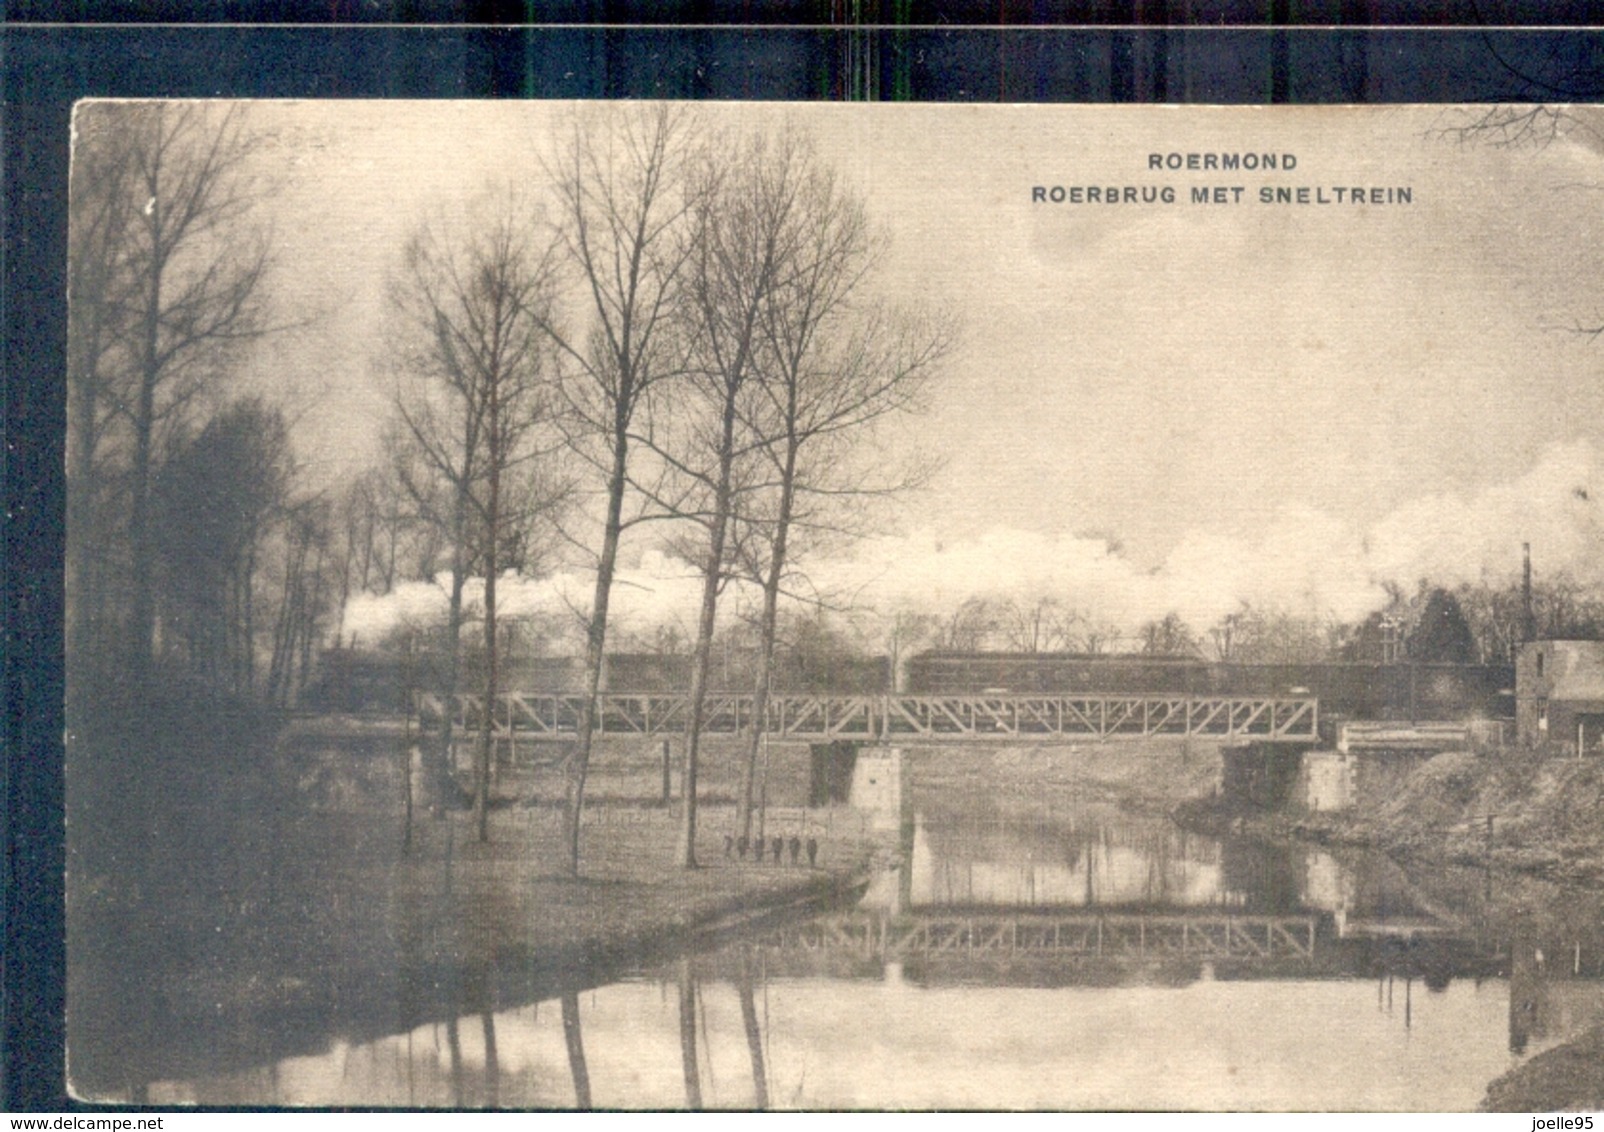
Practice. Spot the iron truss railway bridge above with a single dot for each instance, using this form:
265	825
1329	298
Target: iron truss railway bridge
888	718
1028	934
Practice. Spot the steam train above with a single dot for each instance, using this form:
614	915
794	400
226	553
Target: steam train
1357	690
354	680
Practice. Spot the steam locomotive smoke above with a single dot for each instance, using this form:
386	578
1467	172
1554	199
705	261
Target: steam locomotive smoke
1305	562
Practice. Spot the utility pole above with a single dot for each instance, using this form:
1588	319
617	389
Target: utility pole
1528	626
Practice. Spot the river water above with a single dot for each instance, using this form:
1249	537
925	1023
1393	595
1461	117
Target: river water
1040	956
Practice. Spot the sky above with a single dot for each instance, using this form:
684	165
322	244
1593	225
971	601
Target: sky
1153	406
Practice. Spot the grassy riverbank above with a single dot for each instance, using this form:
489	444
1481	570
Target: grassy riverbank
1547	816
1568	1078
261	894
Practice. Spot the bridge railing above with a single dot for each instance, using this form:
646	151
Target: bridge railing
891	717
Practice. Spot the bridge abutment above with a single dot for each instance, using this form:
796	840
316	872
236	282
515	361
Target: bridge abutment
1261	776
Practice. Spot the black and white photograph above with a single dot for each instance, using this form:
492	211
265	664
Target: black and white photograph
648	605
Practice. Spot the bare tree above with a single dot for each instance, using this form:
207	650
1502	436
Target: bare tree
101	212
1520	125
1495	611
1252	635
1226	636
1169	636
832	364
479	394
741	242
170	275
621	194
1043	625
1531	127
970	626
373	523
307	537
1097	635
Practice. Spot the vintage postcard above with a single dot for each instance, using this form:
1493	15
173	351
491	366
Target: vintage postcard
763	606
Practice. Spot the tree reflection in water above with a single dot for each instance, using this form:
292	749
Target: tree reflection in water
687	1034
487	1020
576	1050
754	1037
454	1046
1526	959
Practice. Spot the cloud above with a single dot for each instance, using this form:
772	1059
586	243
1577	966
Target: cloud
659	591
1556	506
1304	562
370	618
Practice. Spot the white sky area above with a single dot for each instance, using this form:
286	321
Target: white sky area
1281	404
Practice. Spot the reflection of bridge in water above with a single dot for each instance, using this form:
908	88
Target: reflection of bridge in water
1064	947
1055	934
825	718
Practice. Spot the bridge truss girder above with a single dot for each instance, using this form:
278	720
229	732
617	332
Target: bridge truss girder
823	718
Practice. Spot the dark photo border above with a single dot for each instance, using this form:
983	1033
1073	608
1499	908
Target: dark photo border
1244	53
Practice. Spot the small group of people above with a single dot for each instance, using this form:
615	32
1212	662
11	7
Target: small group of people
776	847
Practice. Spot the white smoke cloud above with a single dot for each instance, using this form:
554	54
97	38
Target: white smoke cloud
1451	539
1306	562
659	591
370	618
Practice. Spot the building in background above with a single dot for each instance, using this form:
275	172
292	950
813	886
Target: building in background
1559	695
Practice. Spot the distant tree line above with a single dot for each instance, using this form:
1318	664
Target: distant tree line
188	543
1480	623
